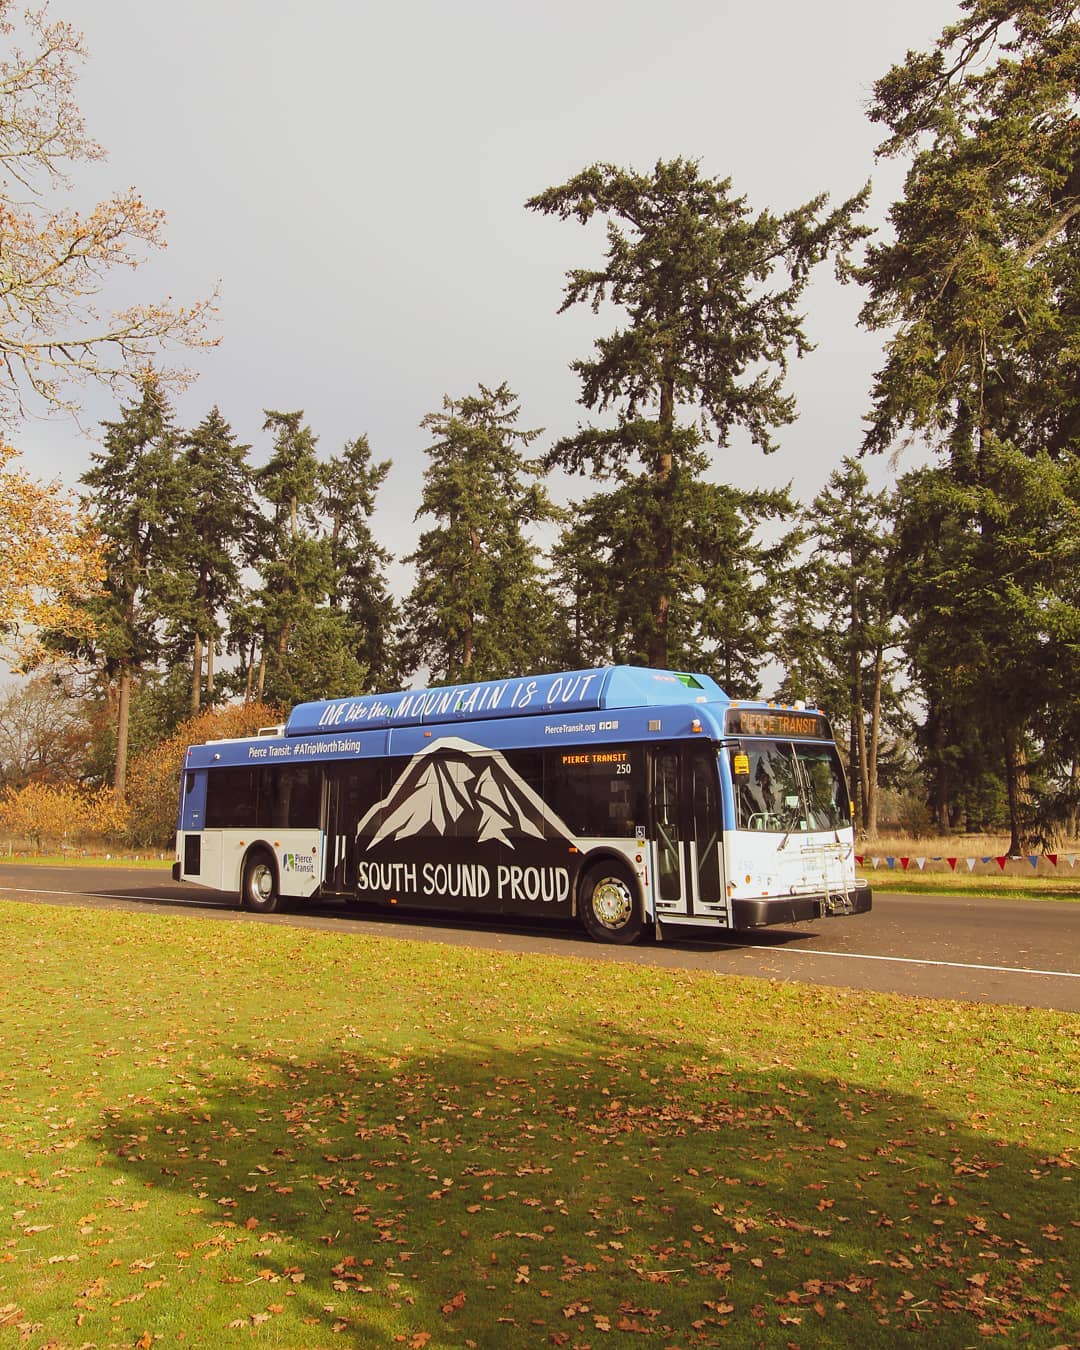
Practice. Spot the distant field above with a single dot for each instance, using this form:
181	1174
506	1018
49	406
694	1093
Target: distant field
154	858
233	1134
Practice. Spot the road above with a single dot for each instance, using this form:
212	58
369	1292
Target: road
1021	952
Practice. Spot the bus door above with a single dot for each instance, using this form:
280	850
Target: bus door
341	812
686	830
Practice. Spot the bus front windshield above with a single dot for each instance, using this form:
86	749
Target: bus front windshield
792	788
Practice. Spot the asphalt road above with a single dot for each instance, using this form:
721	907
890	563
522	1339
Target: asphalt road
1021	952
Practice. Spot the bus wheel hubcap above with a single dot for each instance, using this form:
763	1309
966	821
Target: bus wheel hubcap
263	882
612	903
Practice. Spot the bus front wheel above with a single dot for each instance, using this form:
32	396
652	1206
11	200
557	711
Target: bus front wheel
260	888
609	905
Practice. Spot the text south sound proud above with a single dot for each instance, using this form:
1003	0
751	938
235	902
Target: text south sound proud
466	881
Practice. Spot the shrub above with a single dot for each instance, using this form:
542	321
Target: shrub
42	813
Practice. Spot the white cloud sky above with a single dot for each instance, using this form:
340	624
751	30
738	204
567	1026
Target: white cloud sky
353	176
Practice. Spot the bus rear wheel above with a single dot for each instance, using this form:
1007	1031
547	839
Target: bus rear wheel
260	887
609	904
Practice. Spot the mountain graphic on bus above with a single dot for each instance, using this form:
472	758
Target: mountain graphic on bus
455	787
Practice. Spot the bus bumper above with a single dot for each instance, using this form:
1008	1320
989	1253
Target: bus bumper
761	912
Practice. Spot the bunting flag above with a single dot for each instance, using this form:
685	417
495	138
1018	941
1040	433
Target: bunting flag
905	862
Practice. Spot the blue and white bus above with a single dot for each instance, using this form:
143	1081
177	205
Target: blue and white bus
627	798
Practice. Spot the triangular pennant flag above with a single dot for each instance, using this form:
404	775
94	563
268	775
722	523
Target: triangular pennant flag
1070	858
875	862
920	863
904	862
1052	858
971	864
952	864
986	859
859	859
1001	863
1033	860
892	863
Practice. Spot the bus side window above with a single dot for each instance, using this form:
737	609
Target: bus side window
231	796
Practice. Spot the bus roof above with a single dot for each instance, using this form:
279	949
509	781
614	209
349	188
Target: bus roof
566	691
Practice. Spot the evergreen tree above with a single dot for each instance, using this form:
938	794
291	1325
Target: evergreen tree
978	289
479	608
724	582
133	483
214	534
711	293
294	562
349	483
840	640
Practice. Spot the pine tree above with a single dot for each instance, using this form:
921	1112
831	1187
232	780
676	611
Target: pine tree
214	530
133	484
294	561
710	292
841	635
978	289
349	484
724	582
479	608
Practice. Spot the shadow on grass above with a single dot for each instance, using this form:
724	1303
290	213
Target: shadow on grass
611	1189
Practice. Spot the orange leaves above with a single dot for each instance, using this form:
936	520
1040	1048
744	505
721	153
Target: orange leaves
50	559
39	812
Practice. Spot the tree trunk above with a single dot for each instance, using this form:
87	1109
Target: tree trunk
870	823
250	677
123	719
196	677
658	639
1018	784
210	667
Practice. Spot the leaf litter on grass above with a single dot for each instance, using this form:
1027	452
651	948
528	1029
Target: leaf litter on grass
297	1137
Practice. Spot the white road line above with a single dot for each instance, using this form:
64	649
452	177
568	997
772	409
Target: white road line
916	961
783	951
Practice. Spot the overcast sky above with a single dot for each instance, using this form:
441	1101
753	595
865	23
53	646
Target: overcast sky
352	177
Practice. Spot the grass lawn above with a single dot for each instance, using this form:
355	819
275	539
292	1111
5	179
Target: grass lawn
986	887
225	1133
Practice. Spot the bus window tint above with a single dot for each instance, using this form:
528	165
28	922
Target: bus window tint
791	788
281	798
598	794
770	796
231	798
826	796
290	797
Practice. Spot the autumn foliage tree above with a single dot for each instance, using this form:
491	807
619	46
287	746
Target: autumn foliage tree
56	334
50	561
42	813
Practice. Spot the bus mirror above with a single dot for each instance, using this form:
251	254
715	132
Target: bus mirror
740	767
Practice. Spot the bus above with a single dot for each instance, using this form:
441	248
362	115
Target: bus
629	799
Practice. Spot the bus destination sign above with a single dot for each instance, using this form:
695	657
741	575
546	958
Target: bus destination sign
783	722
